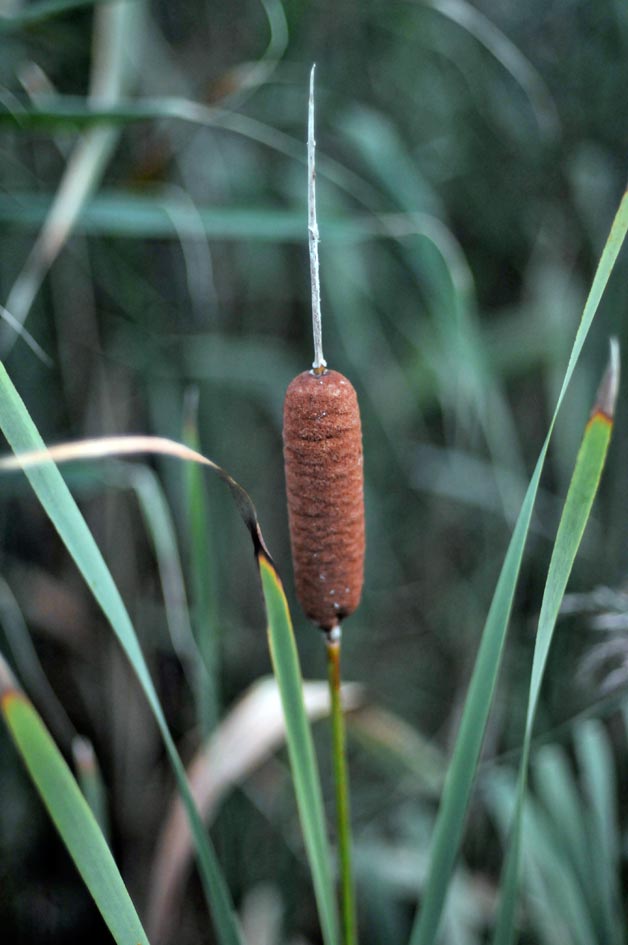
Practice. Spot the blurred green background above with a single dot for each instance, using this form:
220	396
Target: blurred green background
470	160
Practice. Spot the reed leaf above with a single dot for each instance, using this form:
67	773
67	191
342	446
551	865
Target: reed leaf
582	490
461	774
65	515
300	747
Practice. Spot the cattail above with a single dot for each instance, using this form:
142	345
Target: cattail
324	482
323	463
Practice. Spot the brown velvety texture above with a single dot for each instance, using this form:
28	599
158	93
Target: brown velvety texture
325	485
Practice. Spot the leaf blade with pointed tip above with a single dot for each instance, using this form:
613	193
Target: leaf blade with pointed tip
461	774
580	495
61	508
300	747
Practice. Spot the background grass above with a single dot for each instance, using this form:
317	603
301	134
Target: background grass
470	161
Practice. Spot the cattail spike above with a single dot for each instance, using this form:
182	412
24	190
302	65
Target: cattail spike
324	480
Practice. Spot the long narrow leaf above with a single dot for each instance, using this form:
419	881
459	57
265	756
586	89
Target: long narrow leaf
159	214
460	777
201	563
64	513
70	812
299	739
582	490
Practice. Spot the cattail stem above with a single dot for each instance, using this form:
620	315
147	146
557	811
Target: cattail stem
343	819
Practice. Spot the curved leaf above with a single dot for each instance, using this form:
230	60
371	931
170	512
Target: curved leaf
65	515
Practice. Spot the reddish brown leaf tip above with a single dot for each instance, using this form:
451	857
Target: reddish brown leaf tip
609	387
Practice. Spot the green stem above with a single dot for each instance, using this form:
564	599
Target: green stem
349	922
203	577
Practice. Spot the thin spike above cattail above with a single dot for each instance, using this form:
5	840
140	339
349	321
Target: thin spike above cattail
319	364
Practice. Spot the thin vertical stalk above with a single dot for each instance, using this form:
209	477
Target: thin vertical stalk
341	777
319	364
203	574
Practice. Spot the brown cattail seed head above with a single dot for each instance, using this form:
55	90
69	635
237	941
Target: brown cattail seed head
322	439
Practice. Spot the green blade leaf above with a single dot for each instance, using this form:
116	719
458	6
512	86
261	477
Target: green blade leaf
462	770
202	564
157	215
582	489
300	747
64	513
71	813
